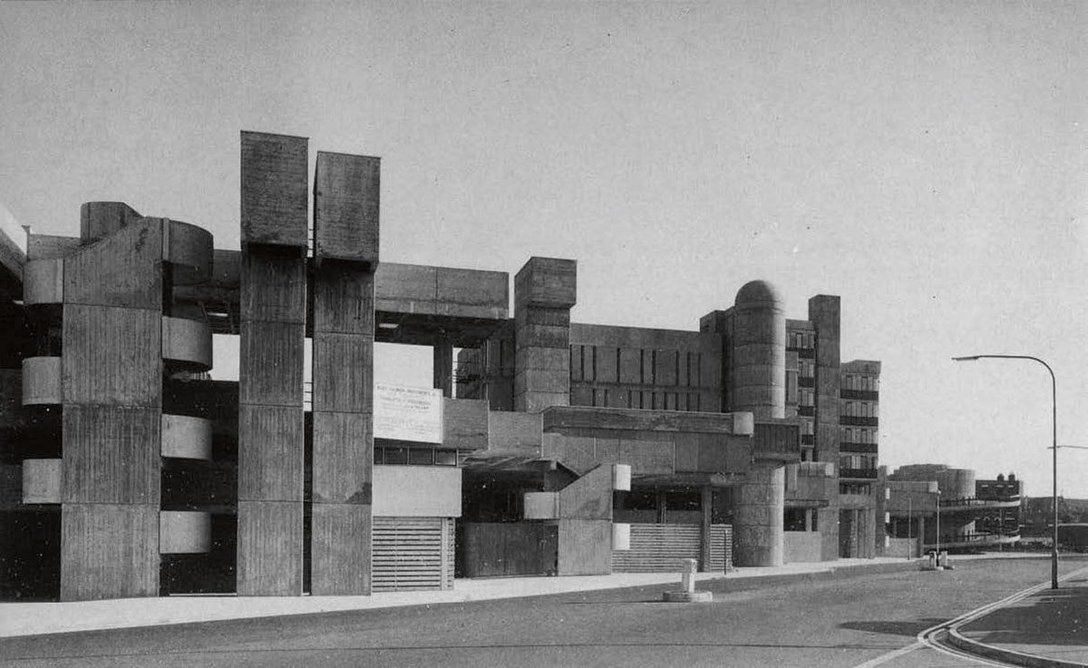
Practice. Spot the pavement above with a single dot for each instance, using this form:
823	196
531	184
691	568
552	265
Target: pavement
1048	627
1042	627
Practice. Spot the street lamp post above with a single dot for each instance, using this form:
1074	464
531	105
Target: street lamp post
938	526
1054	450
910	528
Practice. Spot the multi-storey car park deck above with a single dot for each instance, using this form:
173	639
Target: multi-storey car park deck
560	447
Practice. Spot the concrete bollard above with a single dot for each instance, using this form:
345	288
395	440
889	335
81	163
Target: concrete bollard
687	575
930	563
687	593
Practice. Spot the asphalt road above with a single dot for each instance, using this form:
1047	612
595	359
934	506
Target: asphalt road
816	620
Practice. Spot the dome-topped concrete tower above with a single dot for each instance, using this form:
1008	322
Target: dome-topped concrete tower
757	369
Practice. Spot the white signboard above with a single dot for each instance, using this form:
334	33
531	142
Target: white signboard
407	413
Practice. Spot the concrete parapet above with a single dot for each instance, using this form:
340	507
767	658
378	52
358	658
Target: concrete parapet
42	381
43	282
43	480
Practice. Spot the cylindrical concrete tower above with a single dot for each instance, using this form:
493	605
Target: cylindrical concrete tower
757	374
758	516
757	369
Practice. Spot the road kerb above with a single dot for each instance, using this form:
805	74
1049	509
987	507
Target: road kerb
965	644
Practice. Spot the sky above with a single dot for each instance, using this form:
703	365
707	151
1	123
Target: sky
925	161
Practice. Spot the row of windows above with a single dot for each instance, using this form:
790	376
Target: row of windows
621	398
807	368
635	366
857	462
853	381
805	340
415	456
855	488
858	434
860	409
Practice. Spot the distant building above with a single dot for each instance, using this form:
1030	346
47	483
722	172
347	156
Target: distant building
974	514
545	446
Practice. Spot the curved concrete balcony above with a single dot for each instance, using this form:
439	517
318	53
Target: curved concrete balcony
975	541
42	480
43	282
186	437
973	504
188	342
42	381
184	532
189	248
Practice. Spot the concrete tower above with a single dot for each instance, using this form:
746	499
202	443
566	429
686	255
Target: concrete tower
757	374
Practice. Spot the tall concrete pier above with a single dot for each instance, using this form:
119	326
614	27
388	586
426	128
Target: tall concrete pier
758	384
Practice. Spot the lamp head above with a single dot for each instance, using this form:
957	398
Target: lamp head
969	358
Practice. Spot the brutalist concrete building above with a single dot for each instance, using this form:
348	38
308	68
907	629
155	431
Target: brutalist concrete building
544	446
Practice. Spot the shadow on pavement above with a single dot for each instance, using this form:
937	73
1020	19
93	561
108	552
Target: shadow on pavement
1048	618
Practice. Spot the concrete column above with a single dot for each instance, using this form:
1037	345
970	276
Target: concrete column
271	347
707	503
824	313
346	191
544	292
758	521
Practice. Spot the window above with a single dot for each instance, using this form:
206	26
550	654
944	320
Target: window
396	455
793	519
421	457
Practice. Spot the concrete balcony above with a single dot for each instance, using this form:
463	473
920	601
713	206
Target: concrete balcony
190	249
42	384
42	480
811	483
43	282
186	437
188	342
541	505
184	532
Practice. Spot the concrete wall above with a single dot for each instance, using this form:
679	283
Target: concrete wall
112	385
632	367
802	546
417	491
585	524
651	442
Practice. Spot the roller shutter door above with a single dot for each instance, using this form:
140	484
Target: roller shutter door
412	553
658	548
